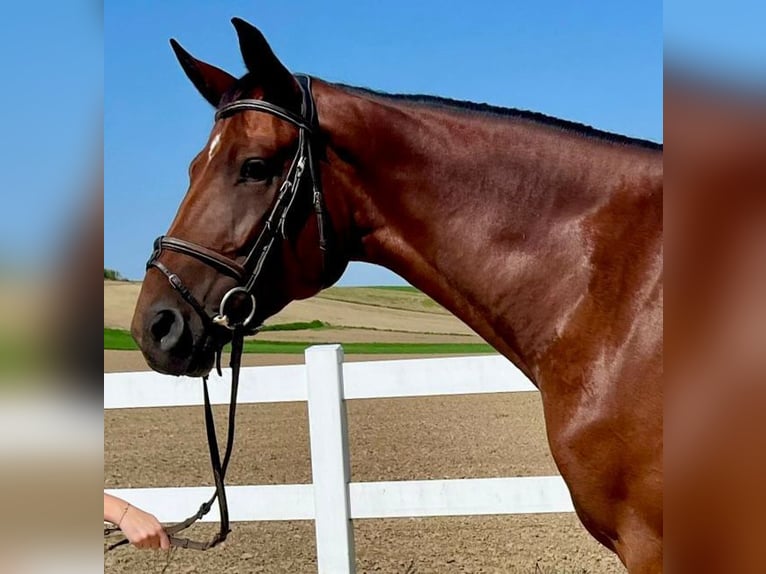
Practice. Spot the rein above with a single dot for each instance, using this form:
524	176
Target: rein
219	467
246	275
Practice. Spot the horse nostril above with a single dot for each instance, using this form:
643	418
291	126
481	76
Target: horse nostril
167	328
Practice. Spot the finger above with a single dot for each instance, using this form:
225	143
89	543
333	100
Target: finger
145	543
164	540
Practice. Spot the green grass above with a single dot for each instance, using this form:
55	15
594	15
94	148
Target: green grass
121	340
298	326
296	347
404	288
118	340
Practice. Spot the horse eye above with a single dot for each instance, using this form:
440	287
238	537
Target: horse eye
255	169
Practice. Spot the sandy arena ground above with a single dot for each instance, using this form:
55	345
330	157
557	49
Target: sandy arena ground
390	439
123	361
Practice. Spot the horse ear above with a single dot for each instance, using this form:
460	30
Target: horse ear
259	59
210	81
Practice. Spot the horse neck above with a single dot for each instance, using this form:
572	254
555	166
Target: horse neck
487	215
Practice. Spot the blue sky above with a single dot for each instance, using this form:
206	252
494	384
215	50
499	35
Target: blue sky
599	63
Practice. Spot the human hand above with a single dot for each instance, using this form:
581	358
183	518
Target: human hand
143	530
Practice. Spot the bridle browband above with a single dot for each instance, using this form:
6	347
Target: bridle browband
246	275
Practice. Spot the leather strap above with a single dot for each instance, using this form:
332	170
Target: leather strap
216	260
179	286
219	467
261	106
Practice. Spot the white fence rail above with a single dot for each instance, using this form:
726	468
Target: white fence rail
332	501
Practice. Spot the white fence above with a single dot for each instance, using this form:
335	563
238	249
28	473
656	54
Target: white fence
332	501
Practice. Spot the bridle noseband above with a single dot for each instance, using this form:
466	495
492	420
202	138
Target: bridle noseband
247	273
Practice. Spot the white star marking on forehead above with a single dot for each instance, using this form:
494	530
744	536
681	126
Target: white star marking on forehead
214	146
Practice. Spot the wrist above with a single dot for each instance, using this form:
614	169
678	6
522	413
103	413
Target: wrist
122	515
113	508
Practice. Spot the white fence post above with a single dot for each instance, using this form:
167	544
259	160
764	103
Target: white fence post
330	464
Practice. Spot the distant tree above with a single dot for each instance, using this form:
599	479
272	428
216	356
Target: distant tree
113	275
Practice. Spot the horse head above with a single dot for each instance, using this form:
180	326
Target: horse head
253	231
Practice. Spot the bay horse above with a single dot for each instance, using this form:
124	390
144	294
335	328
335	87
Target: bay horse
545	236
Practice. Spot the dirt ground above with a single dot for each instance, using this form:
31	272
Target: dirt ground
124	361
390	439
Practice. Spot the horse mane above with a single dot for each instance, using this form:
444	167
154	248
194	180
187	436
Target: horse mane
247	83
498	111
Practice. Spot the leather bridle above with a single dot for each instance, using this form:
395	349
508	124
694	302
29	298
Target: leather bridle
246	274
